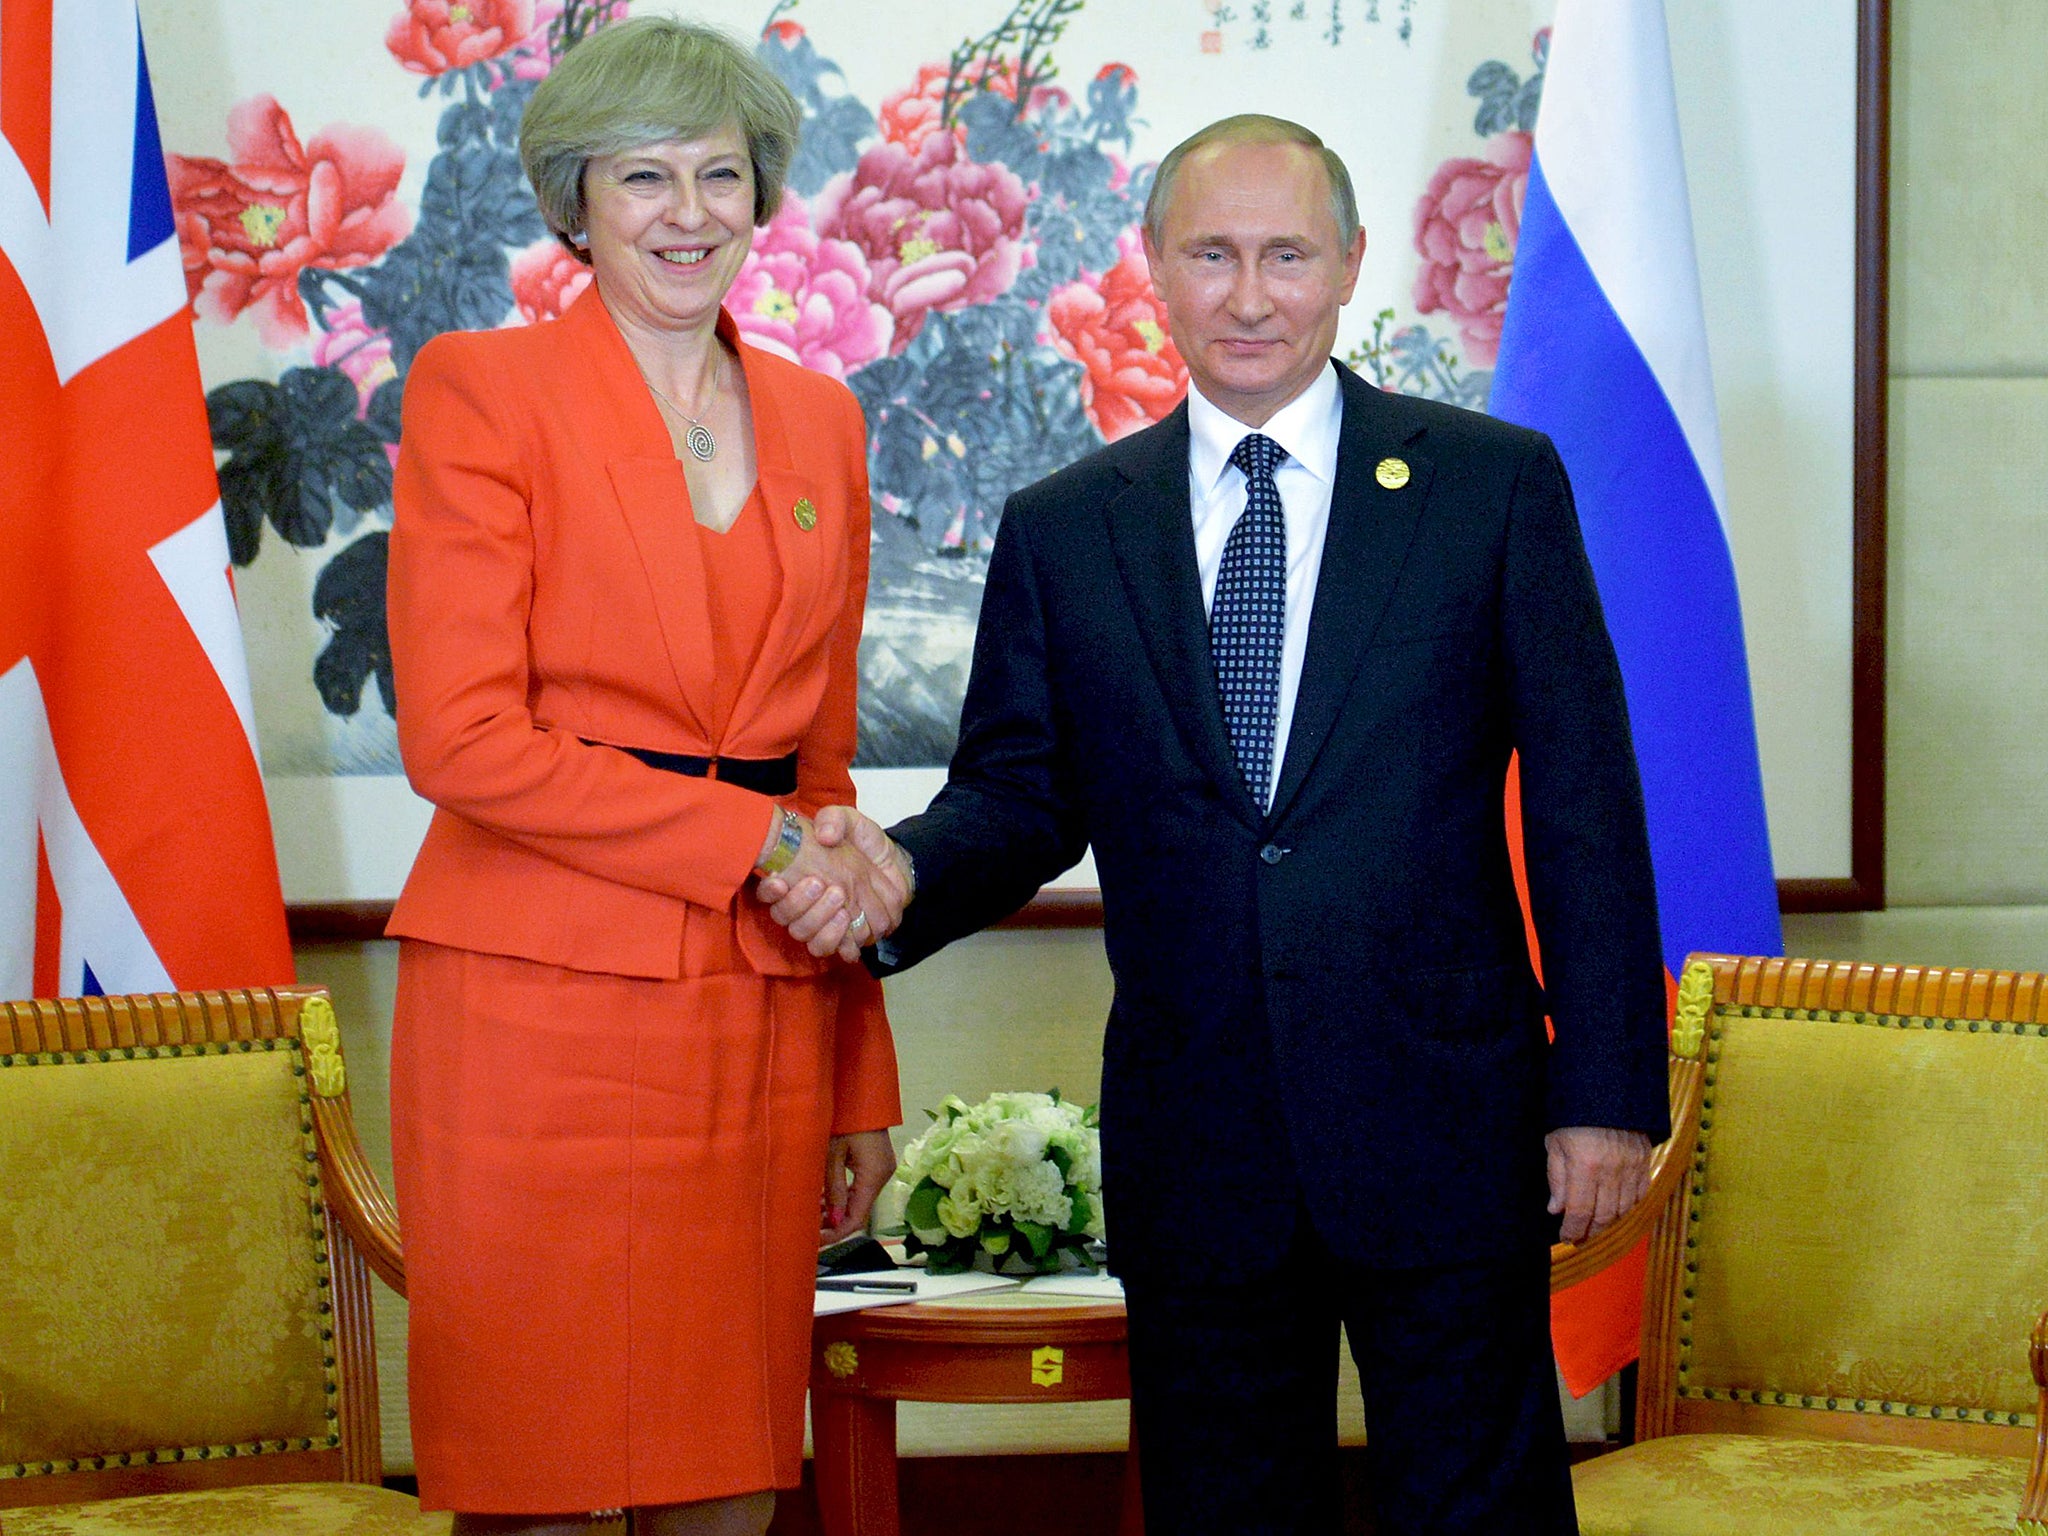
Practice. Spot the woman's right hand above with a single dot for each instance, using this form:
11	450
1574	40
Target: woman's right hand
836	898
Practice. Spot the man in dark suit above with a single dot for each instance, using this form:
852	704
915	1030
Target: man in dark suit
1269	659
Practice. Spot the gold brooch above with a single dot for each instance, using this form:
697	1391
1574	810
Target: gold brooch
806	514
1392	473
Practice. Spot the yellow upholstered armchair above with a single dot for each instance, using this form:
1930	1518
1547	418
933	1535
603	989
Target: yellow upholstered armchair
1844	1282
187	1228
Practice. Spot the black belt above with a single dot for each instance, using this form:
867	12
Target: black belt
764	776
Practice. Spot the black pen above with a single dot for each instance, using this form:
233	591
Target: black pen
890	1287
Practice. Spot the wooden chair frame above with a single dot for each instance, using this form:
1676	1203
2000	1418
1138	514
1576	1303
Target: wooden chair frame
2013	997
361	1221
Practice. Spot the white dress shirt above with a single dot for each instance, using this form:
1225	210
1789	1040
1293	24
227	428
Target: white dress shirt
1307	427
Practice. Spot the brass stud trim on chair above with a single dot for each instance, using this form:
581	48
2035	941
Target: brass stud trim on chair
164	1455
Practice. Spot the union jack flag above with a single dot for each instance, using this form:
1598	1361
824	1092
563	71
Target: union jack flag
135	848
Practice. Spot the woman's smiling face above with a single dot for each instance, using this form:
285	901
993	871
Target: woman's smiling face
669	226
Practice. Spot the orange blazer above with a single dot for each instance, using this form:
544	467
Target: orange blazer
546	592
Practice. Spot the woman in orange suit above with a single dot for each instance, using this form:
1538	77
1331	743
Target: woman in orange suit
626	585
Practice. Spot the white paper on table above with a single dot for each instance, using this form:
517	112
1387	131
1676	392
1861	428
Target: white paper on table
1101	1286
929	1288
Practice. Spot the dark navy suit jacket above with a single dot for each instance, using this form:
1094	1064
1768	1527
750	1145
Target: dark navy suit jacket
1329	1005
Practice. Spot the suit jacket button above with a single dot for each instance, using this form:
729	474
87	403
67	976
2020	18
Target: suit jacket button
1272	853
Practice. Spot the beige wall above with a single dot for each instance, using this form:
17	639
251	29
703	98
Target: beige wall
1967	829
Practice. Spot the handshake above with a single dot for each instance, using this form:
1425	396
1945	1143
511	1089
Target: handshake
846	887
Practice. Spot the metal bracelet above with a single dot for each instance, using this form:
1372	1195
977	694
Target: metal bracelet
789	843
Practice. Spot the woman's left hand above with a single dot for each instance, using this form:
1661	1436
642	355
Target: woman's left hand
856	1168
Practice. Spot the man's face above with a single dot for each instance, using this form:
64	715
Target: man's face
1252	271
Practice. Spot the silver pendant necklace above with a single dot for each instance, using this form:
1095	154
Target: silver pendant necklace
701	443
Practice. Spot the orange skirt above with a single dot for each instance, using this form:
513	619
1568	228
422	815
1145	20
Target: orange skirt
608	1189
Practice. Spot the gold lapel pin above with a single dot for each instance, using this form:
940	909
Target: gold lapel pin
1391	473
806	514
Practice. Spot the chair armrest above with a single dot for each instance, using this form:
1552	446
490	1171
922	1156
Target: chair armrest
2033	1519
356	1195
1670	1167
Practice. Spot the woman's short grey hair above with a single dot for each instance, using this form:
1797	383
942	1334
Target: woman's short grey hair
1252	128
641	82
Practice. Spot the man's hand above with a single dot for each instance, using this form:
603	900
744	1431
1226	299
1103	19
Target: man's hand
816	903
1596	1176
838	824
856	1168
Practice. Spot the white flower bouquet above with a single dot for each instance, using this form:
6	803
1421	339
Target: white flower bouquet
1017	1177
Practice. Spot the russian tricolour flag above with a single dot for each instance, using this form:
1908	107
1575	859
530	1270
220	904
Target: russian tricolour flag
135	850
1604	348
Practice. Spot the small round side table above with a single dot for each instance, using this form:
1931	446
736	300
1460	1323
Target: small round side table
996	1347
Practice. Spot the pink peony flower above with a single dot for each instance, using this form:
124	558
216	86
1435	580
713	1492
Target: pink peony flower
358	349
806	298
1116	330
1046	96
431	37
545	281
247	229
912	115
1466	228
939	230
531	59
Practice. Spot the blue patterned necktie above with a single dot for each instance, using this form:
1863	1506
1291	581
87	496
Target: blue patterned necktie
1249	615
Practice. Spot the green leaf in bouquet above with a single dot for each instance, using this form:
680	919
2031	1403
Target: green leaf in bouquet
952	1258
1037	1237
995	1241
1083	1213
921	1211
1063	1160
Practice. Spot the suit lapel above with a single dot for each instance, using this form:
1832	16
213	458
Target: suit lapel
803	554
1153	533
1370	529
656	501
654	496
618	419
